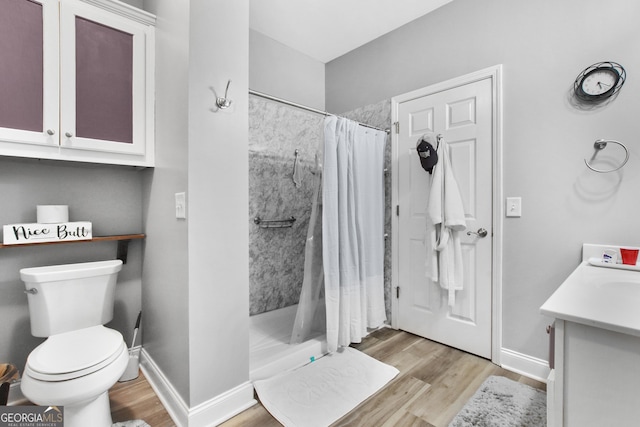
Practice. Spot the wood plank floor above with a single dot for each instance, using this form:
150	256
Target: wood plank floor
136	400
434	383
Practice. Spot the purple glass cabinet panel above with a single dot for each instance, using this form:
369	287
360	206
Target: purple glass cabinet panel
21	65
104	82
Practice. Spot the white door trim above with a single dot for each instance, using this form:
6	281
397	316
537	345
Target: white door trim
495	74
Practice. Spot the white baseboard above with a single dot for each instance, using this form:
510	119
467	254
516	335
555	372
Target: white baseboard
222	407
210	413
523	364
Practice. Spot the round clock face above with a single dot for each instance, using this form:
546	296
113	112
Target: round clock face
600	82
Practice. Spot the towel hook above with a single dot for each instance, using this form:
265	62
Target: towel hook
224	102
601	144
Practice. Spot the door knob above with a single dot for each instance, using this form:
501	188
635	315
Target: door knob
480	233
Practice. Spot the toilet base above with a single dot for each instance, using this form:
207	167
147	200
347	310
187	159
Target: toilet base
96	413
78	396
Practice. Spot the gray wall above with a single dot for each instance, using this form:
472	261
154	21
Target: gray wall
543	46
134	3
281	71
108	196
218	200
166	276
196	270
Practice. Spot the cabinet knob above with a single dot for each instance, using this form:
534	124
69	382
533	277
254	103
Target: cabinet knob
68	134
51	132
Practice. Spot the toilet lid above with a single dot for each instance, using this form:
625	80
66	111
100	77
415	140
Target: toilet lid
76	353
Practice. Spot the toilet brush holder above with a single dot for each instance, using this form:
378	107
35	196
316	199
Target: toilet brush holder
133	367
131	373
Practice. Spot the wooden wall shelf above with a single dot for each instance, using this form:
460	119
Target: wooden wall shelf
122	239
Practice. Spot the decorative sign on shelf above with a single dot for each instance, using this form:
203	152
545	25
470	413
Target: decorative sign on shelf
20	234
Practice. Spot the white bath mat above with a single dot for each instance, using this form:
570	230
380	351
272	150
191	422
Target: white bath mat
321	392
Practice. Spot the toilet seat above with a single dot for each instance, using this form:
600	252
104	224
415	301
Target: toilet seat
75	354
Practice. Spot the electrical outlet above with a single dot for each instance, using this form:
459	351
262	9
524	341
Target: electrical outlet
514	206
181	205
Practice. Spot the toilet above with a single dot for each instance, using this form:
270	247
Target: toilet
81	359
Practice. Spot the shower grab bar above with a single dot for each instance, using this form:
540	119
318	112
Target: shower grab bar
384	171
274	223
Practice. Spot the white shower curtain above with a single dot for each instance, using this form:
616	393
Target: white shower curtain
353	230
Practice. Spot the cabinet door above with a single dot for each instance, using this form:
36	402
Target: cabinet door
102	87
29	72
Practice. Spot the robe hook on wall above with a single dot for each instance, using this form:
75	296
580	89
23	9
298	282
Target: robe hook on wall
224	102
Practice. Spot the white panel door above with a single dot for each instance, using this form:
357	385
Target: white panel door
463	116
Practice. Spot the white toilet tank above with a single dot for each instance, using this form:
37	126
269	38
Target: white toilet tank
69	297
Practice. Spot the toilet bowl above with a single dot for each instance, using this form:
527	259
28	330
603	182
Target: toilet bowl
81	359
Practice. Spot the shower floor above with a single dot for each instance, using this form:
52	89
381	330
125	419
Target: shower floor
271	352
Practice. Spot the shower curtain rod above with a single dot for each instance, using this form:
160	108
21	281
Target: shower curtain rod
304	107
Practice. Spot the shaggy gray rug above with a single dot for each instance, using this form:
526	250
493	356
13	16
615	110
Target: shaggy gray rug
132	423
505	403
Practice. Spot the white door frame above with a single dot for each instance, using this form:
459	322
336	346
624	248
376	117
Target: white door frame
495	74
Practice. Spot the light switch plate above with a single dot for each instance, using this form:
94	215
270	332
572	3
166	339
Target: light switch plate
181	205
514	206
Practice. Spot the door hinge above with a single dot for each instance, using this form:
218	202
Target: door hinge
397	126
397	291
397	210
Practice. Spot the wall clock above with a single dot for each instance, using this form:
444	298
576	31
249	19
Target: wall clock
599	81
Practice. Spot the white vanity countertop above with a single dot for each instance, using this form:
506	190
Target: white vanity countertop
596	296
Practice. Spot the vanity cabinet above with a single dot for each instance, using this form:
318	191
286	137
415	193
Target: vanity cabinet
596	380
77	81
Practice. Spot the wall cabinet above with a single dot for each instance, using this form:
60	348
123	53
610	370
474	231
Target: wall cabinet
77	81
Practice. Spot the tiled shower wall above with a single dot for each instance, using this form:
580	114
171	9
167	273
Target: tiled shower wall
277	255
